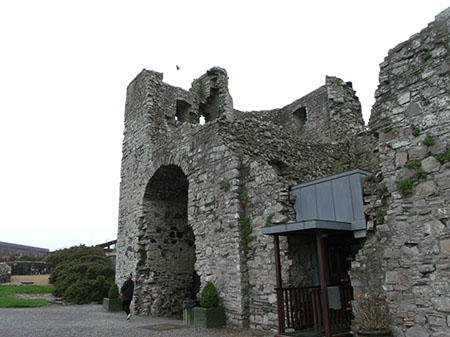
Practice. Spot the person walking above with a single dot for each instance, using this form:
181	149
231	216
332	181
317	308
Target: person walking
127	296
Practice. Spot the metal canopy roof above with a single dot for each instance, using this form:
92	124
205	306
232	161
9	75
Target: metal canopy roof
334	202
308	224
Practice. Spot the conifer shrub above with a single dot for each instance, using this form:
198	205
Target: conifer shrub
81	274
113	291
209	298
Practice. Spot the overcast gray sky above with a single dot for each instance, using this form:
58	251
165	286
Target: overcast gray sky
65	66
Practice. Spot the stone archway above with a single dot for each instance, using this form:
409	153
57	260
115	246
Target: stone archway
165	271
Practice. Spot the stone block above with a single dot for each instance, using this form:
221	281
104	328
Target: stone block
438	148
387	136
413	109
405	173
272	298
445	246
433	227
404	98
426	188
418	152
400	143
417	331
401	158
392	277
430	164
441	304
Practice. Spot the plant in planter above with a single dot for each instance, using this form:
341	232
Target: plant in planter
371	315
113	303
209	314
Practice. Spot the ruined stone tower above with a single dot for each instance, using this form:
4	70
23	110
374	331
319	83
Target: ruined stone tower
194	197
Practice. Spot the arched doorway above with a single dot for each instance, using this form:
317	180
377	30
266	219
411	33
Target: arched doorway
165	272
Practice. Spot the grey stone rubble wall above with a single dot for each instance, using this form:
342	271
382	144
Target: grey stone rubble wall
254	159
270	162
314	106
345	110
331	112
143	156
291	157
5	273
30	267
407	257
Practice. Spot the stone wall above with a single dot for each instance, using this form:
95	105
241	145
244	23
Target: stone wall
329	113
154	237
5	273
230	176
407	256
30	267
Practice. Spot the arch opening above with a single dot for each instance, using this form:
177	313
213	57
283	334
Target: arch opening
167	246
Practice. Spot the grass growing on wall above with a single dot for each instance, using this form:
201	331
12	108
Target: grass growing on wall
7	299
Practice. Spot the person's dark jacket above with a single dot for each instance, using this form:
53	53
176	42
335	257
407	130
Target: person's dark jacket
127	290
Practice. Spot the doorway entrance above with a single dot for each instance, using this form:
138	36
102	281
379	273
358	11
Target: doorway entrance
165	272
323	302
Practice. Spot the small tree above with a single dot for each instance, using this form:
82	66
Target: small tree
209	297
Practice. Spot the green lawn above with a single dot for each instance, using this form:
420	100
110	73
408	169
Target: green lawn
8	301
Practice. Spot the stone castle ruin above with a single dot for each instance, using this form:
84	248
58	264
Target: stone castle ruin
205	202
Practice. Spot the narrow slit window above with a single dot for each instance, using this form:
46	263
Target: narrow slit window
300	116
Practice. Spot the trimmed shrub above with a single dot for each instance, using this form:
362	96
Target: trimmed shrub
209	297
113	291
82	274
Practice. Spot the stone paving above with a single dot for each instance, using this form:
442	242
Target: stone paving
50	298
90	320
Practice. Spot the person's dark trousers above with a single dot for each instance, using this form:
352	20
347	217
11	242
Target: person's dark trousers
126	307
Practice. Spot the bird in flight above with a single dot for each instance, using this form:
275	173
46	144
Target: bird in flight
178	68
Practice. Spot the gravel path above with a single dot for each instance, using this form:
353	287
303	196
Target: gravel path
90	320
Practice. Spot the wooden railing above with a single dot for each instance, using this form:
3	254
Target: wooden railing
296	308
301	308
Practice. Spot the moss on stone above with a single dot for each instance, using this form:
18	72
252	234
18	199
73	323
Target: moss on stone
413	164
415	130
429	141
269	220
225	185
405	187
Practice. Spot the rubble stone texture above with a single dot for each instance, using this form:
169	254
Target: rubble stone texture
5	273
194	197
409	259
30	267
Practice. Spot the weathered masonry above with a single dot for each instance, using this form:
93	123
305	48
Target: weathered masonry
196	199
